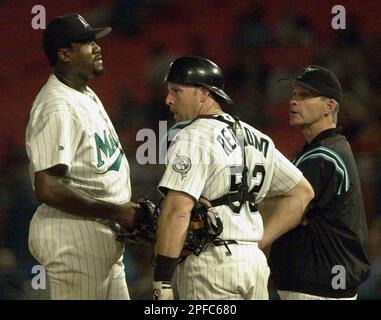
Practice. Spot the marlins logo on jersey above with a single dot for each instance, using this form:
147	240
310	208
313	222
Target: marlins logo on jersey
70	128
182	164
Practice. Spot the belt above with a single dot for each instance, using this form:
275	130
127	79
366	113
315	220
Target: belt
220	242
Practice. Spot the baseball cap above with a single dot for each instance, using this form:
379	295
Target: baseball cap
320	80
71	27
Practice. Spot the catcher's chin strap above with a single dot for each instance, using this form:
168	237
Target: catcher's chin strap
242	194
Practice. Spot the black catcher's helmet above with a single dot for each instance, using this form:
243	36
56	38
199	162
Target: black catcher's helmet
198	71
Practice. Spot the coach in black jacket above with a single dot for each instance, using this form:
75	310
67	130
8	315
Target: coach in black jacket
325	256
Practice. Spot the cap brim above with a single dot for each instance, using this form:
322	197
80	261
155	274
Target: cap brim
301	83
102	32
94	34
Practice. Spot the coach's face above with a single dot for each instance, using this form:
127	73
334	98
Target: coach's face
86	59
306	107
183	101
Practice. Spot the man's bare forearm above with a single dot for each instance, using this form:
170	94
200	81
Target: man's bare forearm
173	224
56	191
63	196
283	213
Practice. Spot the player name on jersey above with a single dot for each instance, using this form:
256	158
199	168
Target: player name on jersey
227	137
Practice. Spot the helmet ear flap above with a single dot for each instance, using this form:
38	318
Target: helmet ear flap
198	71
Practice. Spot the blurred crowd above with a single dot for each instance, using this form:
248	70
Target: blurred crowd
257	53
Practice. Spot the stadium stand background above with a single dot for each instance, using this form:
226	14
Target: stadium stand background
255	42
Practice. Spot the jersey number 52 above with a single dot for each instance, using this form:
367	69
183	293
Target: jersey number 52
258	177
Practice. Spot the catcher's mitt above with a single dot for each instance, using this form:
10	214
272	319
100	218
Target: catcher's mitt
205	226
146	232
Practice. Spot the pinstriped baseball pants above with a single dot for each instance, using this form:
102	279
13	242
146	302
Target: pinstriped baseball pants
214	275
81	256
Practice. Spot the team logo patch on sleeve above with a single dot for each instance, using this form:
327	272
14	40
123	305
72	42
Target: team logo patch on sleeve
182	165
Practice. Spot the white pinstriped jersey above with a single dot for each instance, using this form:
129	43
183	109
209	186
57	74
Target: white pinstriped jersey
81	255
71	128
204	159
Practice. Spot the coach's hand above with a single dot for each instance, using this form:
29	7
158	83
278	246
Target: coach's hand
129	215
162	290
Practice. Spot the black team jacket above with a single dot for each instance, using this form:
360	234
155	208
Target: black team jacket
304	259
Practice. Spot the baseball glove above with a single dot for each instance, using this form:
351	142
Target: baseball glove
205	226
146	232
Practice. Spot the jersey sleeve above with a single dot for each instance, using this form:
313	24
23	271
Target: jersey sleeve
327	173
286	176
53	140
187	170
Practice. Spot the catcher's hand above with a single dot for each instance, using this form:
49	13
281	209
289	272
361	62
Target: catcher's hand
205	226
162	290
146	231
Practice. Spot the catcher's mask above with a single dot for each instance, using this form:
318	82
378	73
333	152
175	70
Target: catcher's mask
198	71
